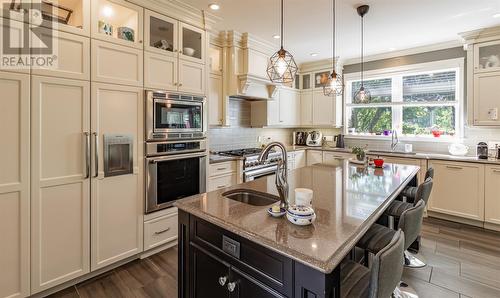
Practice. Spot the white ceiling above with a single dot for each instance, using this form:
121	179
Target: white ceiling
389	25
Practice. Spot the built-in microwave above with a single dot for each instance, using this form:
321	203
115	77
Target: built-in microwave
174	116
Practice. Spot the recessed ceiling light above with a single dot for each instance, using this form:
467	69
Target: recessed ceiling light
314	54
392	49
497	15
276	36
214	6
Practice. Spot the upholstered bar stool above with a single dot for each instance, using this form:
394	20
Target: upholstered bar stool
381	279
410	192
422	193
378	236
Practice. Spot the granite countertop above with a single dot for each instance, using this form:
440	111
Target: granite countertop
216	158
347	200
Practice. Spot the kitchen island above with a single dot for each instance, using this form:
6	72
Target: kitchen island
229	248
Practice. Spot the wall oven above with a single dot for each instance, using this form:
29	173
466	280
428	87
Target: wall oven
171	116
174	170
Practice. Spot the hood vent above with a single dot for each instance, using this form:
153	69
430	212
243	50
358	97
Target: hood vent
255	88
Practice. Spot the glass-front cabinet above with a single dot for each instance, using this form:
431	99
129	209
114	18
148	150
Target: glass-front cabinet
306	81
487	56
160	34
117	21
192	41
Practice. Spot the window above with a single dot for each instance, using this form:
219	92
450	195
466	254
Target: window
420	101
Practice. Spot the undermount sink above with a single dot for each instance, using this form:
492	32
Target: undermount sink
251	197
390	152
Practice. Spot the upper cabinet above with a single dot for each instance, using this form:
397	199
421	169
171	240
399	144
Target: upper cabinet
72	16
483	76
192	41
117	21
215	59
160	34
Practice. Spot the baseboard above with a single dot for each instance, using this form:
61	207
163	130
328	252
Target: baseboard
458	219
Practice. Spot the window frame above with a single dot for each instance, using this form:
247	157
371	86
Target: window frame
397	103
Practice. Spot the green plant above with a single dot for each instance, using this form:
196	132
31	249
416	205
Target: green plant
359	152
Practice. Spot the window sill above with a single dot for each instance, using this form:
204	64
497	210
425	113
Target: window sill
405	138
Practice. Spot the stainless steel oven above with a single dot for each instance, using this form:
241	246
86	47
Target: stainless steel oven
251	175
174	170
171	116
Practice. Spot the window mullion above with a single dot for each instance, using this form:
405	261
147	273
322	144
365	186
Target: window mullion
397	98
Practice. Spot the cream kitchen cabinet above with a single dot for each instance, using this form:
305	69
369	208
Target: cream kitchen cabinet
458	189
112	17
191	77
314	157
222	175
117	201
486	102
215	59
14	185
284	110
296	159
78	22
161	230
330	157
116	64
215	100
160	71
325	109
73	56
306	108
60	184
492	197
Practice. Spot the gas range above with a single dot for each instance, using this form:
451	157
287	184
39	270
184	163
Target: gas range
251	167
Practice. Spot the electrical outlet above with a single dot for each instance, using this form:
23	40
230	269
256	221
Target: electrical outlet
328	138
493	114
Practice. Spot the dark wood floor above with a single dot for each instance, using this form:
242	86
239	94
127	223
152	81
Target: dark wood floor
463	262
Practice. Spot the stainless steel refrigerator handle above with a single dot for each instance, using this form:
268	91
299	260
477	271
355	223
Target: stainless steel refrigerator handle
87	155
96	154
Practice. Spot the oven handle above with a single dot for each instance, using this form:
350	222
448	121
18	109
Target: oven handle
179	101
174	157
268	170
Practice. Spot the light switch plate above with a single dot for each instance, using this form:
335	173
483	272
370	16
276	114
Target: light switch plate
493	114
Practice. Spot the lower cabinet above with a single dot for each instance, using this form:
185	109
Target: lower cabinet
492	191
117	201
331	156
14	185
458	189
209	272
60	181
314	157
160	230
222	175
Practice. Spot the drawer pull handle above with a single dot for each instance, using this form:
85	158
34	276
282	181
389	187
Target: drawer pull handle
454	168
162	231
231	286
220	169
496	171
221	186
222	280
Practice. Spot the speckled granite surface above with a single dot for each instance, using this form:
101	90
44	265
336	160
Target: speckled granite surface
216	158
347	201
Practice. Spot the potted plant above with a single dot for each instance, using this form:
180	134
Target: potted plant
359	152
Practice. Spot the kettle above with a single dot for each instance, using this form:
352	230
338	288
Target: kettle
339	141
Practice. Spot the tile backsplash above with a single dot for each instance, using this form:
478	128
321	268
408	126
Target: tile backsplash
228	138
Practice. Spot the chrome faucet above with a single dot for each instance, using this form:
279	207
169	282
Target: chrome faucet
281	171
394	139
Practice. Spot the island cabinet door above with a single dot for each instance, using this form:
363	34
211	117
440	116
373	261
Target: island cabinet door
210	275
242	285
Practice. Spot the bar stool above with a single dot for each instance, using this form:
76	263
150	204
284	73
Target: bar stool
410	192
394	211
381	279
378	236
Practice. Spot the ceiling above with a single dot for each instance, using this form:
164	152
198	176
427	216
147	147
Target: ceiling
390	25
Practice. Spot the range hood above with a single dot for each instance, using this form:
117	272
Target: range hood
246	59
254	88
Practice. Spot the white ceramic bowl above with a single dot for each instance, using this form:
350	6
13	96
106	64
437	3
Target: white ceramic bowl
301	211
458	149
188	51
300	221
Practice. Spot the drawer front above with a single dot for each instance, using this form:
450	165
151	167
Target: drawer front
160	231
221	182
264	265
222	168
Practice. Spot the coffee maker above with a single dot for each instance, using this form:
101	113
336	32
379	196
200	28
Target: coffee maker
339	141
299	138
482	150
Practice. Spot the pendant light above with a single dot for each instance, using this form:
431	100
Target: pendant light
363	94
334	86
282	67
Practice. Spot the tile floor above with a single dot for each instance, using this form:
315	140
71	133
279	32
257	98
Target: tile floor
463	261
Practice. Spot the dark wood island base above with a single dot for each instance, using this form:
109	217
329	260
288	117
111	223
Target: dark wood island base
215	263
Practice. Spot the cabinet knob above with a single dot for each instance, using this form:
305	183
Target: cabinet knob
140	41
222	280
180	52
180	84
175	84
231	286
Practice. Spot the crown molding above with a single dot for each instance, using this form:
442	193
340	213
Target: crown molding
406	52
480	35
180	10
319	65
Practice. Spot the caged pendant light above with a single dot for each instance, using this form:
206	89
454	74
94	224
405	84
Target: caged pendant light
363	94
282	67
334	86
